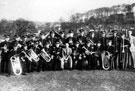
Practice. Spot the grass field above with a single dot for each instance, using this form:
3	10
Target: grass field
97	80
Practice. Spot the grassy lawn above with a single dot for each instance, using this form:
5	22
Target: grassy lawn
97	80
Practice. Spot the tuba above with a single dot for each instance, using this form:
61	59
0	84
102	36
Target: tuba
16	65
105	60
106	57
45	56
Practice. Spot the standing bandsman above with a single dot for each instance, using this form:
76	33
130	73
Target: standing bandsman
49	50
5	62
116	43
57	52
52	38
103	41
124	52
82	38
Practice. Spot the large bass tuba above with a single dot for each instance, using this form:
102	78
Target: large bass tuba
106	57
16	65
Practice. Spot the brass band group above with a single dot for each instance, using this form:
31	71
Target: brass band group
71	51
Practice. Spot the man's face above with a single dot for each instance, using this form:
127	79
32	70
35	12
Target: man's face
67	45
88	44
115	34
71	34
103	35
25	47
47	45
92	35
77	45
18	38
57	45
123	36
25	39
7	39
62	34
130	32
33	38
82	33
52	34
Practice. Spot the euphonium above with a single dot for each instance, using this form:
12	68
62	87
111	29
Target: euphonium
45	56
28	57
33	55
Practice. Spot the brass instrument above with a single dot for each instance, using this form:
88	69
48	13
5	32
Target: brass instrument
89	52
45	56
16	64
27	56
33	55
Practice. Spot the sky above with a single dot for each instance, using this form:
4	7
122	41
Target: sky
51	10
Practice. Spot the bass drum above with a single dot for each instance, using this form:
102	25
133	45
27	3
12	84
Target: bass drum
105	60
16	65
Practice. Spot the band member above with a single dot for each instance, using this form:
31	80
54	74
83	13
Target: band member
57	52
17	40
49	50
82	36
75	54
103	40
70	37
37	49
15	52
109	54
81	56
91	61
66	57
132	48
52	38
5	62
26	59
124	52
62	38
115	43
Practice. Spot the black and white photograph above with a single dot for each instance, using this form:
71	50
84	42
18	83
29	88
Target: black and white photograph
67	45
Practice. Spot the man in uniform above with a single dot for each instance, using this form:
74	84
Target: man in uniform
49	50
124	52
57	52
5	62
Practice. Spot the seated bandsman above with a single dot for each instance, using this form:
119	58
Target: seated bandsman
66	57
